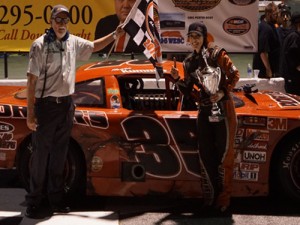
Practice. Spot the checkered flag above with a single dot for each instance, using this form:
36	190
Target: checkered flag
142	24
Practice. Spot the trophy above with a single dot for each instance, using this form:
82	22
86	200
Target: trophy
210	79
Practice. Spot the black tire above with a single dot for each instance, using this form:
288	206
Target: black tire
287	169
75	172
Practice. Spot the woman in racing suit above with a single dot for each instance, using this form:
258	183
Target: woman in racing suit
215	139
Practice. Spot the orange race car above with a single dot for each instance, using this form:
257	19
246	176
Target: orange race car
131	136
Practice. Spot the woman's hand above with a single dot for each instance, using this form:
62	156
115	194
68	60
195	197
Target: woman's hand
174	73
217	97
118	32
174	70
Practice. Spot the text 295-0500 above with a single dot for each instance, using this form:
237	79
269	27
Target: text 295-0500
15	14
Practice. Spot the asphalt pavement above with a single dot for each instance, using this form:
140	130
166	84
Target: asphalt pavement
149	211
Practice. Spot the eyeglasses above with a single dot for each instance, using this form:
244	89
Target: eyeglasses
59	20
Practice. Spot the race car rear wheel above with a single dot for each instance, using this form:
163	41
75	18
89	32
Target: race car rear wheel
75	173
288	168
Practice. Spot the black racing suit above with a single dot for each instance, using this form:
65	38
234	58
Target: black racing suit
290	60
215	139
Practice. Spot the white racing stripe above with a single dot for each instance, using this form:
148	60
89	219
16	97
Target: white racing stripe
274	84
5	214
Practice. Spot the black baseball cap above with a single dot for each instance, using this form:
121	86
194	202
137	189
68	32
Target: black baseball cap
284	9
59	9
198	28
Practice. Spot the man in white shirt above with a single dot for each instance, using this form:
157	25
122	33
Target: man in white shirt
50	109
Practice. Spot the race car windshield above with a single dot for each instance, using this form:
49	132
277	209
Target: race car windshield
89	93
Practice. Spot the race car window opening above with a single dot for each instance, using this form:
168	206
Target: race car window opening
90	93
143	94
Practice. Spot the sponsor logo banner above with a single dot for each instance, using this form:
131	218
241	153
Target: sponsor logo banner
232	24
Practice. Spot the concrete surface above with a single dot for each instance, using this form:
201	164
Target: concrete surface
12	209
137	212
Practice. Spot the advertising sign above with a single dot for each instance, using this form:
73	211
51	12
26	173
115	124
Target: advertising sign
21	22
232	24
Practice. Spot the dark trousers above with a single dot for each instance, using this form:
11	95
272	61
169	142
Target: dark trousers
292	86
215	142
50	147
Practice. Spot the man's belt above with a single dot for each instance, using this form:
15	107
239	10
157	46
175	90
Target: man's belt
57	100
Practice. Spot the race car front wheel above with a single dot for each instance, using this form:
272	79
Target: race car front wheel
74	171
287	168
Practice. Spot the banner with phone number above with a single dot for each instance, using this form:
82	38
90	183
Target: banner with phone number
232	24
21	22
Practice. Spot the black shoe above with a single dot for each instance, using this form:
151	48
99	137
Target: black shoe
32	212
223	211
61	209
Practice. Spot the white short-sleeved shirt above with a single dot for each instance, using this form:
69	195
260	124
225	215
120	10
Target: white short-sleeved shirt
58	60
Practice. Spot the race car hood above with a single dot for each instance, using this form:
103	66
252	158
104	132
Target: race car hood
9	92
274	101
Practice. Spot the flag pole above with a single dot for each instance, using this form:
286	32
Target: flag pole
110	51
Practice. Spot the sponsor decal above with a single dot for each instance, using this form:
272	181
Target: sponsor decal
237	156
171	37
12	111
129	70
279	124
112	91
245	175
7	142
5	127
172	20
6	137
237	142
254	120
97	164
258	145
2	156
284	100
115	102
95	119
196	5
236	26
104	64
258	135
242	2
239	137
254	156
254	167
